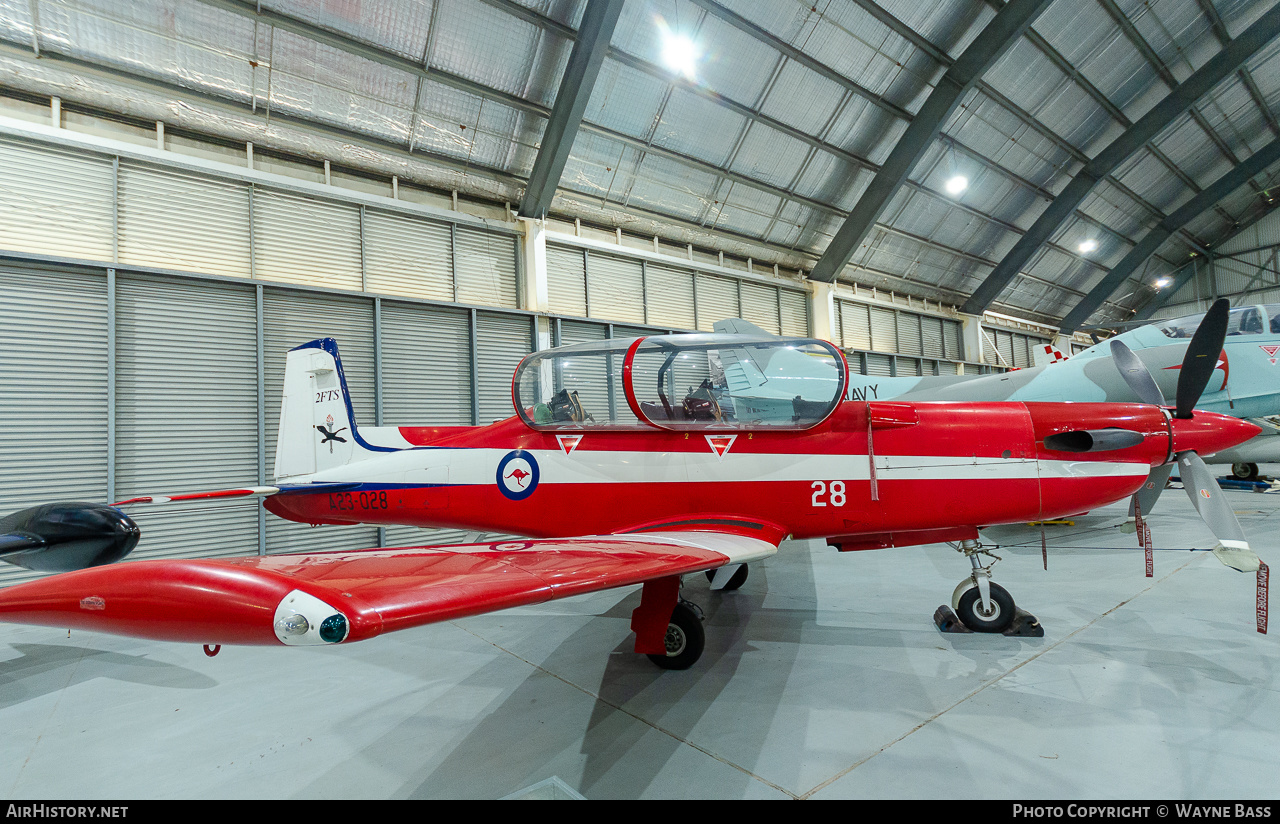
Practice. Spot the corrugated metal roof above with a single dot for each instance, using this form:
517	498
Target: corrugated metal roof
793	107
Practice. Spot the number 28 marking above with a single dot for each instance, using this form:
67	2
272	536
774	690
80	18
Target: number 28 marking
836	495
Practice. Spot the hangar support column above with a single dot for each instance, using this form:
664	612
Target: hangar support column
971	332
533	274
822	308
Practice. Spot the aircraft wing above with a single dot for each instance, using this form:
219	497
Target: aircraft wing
326	597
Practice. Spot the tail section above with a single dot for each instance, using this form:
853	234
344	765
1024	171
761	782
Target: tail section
317	426
1047	355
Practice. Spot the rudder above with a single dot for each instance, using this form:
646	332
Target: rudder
317	428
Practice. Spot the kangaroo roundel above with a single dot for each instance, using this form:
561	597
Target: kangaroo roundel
517	475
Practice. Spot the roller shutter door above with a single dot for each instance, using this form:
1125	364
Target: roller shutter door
408	256
502	341
760	306
879	364
1021	351
302	240
884	329
187	411
426	379
989	346
669	292
53	445
170	220
55	203
566	281
931	337
909	367
909	334
615	288
486	266
1004	342
855	326
291	318
426	365
953	337
795	313
717	300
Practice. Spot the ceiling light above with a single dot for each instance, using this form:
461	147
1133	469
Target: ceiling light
1162	282
1088	246
957	184
680	54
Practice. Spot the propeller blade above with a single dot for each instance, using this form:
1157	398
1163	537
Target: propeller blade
1136	375
1233	549
1150	492
1202	357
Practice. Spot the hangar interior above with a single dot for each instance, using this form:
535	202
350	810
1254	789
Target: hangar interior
190	188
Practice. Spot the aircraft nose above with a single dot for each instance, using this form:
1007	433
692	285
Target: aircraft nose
1208	432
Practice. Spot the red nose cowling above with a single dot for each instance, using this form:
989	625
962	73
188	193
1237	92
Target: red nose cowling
1208	432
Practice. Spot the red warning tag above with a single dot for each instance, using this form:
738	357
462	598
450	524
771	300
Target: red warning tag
1144	535
1263	574
568	443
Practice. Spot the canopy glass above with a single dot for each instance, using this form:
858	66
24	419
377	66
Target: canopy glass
682	382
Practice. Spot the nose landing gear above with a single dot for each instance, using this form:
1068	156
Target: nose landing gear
978	605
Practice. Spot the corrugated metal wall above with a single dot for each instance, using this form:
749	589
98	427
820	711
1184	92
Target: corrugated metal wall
897	342
618	288
183	307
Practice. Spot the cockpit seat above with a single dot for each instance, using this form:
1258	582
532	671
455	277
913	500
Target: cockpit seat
565	406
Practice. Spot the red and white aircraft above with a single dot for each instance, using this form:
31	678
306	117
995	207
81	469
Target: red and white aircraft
628	462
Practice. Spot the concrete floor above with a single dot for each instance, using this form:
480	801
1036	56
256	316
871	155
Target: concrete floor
824	677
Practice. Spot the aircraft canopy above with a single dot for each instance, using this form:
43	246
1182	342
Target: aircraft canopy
1243	320
682	382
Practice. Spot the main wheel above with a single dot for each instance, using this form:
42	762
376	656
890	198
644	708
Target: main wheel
684	640
971	614
736	580
1245	471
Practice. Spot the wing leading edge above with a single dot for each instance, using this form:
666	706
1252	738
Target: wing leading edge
351	596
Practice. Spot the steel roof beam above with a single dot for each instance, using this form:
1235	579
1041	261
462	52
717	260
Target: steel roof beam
1246	76
1242	174
1161	115
996	38
1164	295
1131	32
752	114
589	50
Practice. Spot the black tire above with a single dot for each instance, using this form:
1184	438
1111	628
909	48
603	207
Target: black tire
685	640
1244	471
739	578
970	610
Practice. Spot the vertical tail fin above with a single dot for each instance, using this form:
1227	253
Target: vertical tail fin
317	426
1047	355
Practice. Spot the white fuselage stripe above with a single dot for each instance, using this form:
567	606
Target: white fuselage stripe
459	467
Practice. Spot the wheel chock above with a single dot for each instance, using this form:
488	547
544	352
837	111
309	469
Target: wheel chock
1024	624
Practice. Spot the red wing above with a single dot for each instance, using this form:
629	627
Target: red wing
243	600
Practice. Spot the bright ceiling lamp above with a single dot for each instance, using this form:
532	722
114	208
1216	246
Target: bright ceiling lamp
1162	282
957	184
1087	246
679	53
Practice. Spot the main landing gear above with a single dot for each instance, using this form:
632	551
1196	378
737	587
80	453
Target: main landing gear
978	605
668	628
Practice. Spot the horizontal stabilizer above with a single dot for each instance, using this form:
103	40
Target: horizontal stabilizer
216	494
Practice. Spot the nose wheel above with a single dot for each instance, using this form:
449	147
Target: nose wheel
978	605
